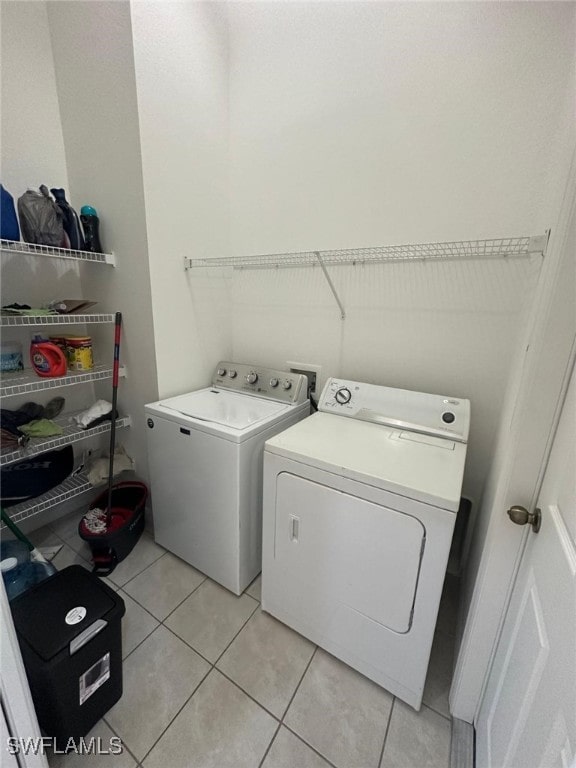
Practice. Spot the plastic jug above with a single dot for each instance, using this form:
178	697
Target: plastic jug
47	359
20	577
13	548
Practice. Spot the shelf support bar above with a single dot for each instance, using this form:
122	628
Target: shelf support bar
539	243
331	284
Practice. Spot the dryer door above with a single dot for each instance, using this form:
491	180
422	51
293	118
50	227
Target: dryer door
344	559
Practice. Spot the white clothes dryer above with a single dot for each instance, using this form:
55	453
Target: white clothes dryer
360	502
205	461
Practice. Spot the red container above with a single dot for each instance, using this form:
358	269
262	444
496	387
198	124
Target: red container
47	359
116	542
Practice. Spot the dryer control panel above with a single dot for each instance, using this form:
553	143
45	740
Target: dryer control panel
290	388
403	409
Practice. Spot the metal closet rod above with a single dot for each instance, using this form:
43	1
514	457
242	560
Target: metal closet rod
458	250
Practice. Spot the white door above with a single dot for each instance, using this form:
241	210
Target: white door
528	713
533	399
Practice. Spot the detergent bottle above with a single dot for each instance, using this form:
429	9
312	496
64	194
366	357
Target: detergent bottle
47	358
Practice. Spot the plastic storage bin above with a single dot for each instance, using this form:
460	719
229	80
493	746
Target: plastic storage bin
11	356
69	630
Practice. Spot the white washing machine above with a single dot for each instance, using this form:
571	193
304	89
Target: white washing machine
205	460
360	502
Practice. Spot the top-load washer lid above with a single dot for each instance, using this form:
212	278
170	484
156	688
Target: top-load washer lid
224	408
244	400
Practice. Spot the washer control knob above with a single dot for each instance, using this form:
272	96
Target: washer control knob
232	374
273	382
286	384
221	371
252	377
343	396
448	417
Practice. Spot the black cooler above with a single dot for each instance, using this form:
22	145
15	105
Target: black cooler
69	630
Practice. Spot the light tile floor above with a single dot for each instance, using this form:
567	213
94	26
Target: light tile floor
210	681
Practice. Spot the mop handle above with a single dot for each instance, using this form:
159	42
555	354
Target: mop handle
15	530
115	374
117	329
35	553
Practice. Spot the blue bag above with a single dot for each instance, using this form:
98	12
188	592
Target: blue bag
9	229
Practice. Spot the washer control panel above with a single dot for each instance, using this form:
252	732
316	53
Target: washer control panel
402	409
286	387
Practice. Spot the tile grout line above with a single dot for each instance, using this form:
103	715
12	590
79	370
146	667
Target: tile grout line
121	586
249	695
121	739
186	643
386	733
176	715
208	661
240	630
181	601
269	747
310	747
299	683
144	638
259	703
161	622
210	670
297	735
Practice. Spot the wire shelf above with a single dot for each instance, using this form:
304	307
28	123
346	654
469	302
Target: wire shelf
9	321
510	247
72	434
29	249
24	382
69	489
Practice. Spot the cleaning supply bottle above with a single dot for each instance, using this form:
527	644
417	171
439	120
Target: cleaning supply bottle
91	226
69	219
47	359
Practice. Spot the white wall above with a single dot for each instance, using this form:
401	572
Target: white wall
32	149
92	45
31	154
358	124
280	126
32	142
181	60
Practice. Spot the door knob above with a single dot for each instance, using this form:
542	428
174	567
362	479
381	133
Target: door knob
521	516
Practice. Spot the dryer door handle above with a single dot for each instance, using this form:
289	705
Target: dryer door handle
294	527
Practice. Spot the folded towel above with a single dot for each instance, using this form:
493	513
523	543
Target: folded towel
41	428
